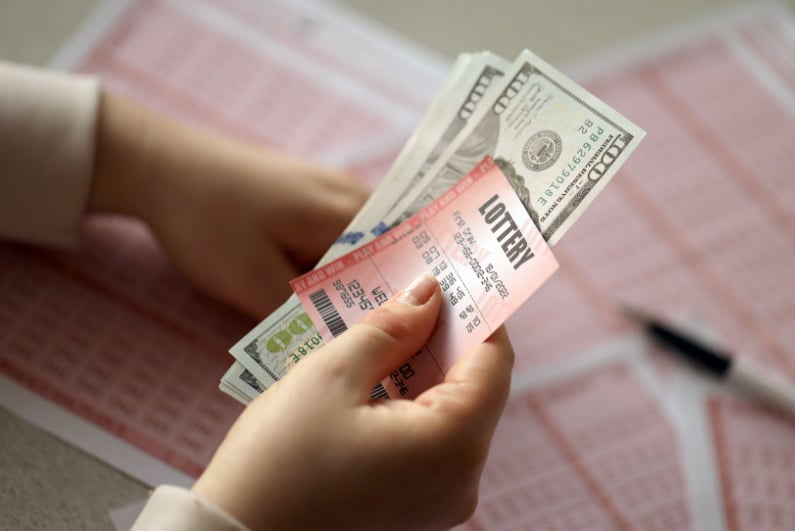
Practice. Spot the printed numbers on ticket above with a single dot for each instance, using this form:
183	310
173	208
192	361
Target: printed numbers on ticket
477	240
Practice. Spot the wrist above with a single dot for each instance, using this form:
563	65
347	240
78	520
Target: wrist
122	182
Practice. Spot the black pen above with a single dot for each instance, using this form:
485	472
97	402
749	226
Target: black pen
740	371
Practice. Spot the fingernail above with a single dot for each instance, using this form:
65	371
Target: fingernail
419	290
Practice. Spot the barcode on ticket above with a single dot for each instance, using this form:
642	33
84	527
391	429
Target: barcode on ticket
331	317
379	393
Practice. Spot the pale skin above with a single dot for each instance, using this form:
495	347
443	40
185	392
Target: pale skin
237	220
313	452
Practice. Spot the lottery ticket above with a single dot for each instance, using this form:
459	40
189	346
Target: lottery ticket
479	242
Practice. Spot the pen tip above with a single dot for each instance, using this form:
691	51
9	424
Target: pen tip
633	314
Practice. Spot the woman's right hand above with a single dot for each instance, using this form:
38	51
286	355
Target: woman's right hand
314	452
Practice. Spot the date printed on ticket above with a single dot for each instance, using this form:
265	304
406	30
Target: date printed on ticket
477	240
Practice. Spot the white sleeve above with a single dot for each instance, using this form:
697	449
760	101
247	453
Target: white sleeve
177	509
47	129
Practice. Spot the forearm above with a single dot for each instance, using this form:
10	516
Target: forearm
146	164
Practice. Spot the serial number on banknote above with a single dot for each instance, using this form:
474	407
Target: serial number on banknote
581	154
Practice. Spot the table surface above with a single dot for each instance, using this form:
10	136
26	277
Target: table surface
46	483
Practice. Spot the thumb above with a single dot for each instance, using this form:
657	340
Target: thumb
385	337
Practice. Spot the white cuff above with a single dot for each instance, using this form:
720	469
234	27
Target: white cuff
177	509
47	128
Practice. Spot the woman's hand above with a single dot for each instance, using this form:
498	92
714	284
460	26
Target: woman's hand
314	452
237	220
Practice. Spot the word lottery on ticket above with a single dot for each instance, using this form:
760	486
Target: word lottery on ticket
478	241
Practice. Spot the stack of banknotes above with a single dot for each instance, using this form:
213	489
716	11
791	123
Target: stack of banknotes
557	145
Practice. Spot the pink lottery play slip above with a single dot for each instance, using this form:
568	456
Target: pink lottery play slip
478	241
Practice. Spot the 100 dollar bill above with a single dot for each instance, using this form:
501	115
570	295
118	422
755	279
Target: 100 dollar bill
557	144
274	346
